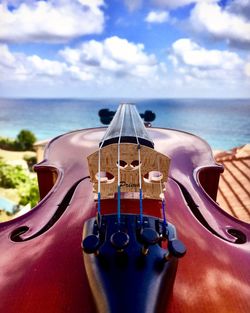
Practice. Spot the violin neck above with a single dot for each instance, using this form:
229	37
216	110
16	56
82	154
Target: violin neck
127	127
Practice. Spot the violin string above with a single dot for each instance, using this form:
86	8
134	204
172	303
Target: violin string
163	201
119	175
99	182
99	187
139	170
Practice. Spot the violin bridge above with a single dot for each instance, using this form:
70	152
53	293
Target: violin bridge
154	168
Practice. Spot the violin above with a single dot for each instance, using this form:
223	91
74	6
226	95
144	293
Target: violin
127	223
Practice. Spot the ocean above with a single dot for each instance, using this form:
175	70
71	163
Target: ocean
223	123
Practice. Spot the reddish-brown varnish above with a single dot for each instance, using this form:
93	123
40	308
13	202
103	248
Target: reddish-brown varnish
41	261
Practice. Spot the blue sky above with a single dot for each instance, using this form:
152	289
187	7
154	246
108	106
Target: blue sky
125	48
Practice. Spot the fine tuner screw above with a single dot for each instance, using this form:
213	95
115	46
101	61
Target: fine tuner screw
119	240
91	244
149	237
176	249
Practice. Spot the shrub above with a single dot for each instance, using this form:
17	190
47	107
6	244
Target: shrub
25	140
28	193
7	144
31	160
16	177
11	176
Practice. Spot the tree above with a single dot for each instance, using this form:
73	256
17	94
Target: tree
25	140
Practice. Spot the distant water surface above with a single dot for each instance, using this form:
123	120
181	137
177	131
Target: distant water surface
224	124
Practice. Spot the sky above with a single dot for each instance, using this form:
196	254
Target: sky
125	48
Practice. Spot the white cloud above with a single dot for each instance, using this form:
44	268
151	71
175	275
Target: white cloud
12	66
157	17
220	23
94	61
115	56
192	54
113	66
193	62
241	7
133	5
118	67
46	67
50	21
19	67
247	69
173	4
6	57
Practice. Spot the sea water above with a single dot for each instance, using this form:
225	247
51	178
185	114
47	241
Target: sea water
223	123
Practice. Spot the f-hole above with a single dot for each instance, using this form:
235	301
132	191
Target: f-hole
18	232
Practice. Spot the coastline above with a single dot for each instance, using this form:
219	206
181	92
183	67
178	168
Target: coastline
202	117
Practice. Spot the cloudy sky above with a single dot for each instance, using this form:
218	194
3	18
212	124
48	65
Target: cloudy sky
125	48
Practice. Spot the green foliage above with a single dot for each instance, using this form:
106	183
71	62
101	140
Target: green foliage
11	176
28	193
24	141
31	160
17	177
7	144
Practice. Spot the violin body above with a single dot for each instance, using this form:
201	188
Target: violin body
43	267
